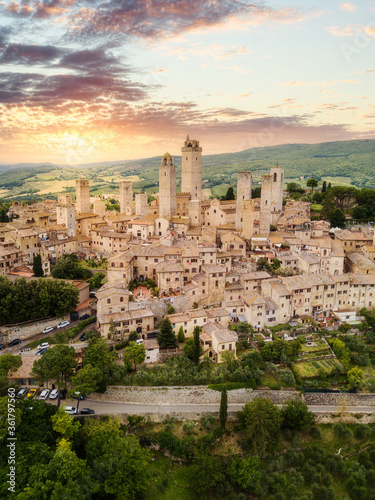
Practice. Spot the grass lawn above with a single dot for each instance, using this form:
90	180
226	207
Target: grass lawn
321	345
316	207
220	190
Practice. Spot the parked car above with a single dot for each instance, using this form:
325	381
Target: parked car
92	294
63	394
44	394
87	411
78	395
85	316
48	329
139	341
31	393
2	347
63	324
22	392
71	410
82	337
54	394
42	351
43	345
14	342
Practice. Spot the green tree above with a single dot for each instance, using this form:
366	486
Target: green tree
296	415
205	472
37	266
133	336
135	353
337	218
246	473
4	412
167	337
111	329
262	421
99	356
355	377
223	414
87	380
181	336
197	345
263	265
230	194
64	424
324	186
57	364
69	268
96	281
189	349
369	315
9	363
312	183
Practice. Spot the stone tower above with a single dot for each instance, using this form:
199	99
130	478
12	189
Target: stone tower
191	169
244	190
277	174
167	187
82	196
141	206
247	230
195	213
265	205
126	197
66	213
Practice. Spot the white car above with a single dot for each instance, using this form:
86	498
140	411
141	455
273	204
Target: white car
54	394
43	345
63	324
44	394
70	410
48	329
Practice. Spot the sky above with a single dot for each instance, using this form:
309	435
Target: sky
87	80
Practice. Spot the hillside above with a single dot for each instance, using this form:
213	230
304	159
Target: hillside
347	162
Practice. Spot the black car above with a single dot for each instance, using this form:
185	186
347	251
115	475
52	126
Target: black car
63	394
82	337
42	351
78	395
14	342
87	411
85	316
2	347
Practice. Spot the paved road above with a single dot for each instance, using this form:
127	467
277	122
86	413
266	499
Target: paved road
115	407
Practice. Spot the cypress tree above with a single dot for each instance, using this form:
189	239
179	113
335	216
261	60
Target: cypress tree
223	409
167	337
181	336
197	345
37	266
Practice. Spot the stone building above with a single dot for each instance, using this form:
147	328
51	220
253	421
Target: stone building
167	187
126	197
82	196
191	170
141	206
265	205
66	214
244	192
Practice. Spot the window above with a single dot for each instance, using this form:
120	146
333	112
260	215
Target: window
108	301
121	299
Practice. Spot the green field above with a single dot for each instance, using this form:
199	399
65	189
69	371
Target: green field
311	369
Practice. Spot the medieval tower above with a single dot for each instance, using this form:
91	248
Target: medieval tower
141	204
244	190
82	196
66	213
247	231
167	187
191	169
265	205
126	197
277	174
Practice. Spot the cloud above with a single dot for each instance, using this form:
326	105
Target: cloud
336	31
16	53
348	7
296	83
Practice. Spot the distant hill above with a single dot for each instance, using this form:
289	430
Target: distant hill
351	162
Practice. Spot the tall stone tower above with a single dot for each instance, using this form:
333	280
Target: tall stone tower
167	187
126	196
66	213
82	196
141	206
265	205
277	174
244	190
195	212
191	169
247	230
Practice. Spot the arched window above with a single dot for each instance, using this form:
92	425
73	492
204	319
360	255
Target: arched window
121	264
275	177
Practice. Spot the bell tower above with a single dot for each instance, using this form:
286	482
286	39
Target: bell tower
191	169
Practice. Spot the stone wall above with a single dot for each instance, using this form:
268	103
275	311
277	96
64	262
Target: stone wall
189	395
339	399
28	330
158	307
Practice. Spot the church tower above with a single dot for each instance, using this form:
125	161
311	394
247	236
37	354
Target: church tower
191	169
167	187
